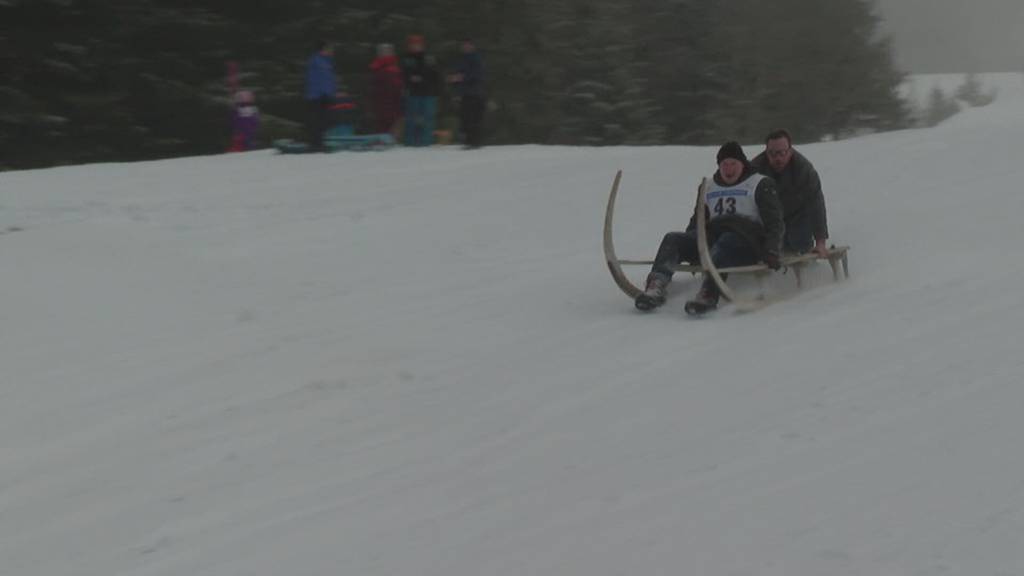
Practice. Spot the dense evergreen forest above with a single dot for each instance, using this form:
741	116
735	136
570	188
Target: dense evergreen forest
115	80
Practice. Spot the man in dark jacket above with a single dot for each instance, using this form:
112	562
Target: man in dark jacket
744	226
422	84
799	190
321	89
469	82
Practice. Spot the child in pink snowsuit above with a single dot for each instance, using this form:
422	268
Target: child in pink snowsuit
244	122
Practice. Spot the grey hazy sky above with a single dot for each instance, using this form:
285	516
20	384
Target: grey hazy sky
955	35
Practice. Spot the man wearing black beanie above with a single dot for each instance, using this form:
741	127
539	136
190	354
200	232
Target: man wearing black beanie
744	226
733	150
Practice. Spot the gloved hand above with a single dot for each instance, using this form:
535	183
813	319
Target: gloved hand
772	260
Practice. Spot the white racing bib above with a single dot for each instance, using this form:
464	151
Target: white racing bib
737	199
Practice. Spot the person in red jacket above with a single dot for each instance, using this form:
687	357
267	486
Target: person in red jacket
387	89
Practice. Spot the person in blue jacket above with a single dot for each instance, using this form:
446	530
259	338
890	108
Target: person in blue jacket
321	90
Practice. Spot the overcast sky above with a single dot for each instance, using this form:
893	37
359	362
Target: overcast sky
956	35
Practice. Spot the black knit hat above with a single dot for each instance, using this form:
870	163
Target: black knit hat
731	149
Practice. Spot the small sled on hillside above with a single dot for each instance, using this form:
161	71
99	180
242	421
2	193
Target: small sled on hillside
836	258
341	137
338	139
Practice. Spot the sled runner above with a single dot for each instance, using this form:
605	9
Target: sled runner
837	256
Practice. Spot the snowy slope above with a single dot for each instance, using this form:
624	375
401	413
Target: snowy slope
916	89
415	362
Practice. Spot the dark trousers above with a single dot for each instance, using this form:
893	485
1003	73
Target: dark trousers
316	122
420	120
799	237
471	117
727	249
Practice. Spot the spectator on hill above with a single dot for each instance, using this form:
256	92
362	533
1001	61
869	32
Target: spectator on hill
468	80
321	90
387	90
422	86
245	121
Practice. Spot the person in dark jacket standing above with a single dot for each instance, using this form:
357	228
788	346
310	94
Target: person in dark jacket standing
321	90
744	225
799	190
469	83
387	89
422	85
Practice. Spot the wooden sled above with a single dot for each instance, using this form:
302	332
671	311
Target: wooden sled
836	258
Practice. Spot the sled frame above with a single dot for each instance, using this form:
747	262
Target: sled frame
837	256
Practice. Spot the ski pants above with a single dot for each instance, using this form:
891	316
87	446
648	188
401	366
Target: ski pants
316	122
727	249
471	115
799	236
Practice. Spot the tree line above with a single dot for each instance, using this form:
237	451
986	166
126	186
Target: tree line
117	80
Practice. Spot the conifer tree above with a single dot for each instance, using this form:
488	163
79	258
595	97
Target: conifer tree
134	79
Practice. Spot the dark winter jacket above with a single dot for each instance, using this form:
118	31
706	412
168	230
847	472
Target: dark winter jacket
471	67
799	190
420	74
320	81
765	236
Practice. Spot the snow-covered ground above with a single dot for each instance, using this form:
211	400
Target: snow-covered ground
416	363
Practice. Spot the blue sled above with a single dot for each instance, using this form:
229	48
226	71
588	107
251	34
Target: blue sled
336	139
